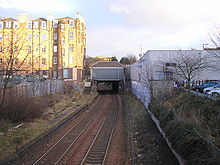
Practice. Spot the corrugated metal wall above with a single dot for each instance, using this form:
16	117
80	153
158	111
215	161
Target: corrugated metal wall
102	74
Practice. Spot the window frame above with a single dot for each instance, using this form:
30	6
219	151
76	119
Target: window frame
43	49
55	48
15	25
55	35
55	60
43	25
29	24
44	37
29	37
36	24
1	24
8	24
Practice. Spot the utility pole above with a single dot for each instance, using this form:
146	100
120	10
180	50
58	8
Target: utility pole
141	50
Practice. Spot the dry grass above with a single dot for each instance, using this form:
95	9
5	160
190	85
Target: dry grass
57	105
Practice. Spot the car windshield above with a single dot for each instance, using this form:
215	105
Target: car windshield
210	84
217	86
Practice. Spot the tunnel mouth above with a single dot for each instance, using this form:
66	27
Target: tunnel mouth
108	87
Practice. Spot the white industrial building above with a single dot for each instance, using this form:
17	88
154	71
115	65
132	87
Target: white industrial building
153	68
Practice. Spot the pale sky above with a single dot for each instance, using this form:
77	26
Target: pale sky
119	27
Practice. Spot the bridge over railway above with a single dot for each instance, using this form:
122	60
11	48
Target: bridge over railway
108	76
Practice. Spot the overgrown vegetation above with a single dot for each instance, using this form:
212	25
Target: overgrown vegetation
192	124
149	148
20	109
52	109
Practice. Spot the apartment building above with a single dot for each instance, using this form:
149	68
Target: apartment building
52	47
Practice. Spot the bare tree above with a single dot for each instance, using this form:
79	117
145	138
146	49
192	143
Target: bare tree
132	58
187	64
213	47
14	53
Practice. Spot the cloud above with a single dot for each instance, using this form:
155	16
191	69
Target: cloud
37	6
168	13
119	9
121	41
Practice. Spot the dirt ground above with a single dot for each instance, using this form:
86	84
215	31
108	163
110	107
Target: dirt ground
145	143
117	154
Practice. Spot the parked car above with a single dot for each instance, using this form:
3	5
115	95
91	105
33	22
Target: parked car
214	92
200	88
207	90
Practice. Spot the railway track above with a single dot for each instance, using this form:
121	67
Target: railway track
99	147
87	141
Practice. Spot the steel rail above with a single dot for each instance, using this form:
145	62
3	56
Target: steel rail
100	136
71	129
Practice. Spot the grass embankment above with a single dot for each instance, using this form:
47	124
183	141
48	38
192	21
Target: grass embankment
192	124
59	106
146	144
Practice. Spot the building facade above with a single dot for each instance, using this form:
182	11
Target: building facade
52	47
154	73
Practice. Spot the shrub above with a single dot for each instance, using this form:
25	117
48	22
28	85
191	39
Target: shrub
19	109
191	124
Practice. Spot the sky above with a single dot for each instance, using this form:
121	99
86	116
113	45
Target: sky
130	27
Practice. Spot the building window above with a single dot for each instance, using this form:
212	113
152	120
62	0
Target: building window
54	60
71	22
36	49
16	62
15	37
170	64
168	76
55	36
62	27
30	60
1	49
6	35
29	37
29	49
63	40
71	35
15	24
43	25
71	49
1	37
37	60
44	49
29	25
1	60
35	36
55	48
63	52
44	37
16	48
43	61
8	24
55	24
1	25
36	24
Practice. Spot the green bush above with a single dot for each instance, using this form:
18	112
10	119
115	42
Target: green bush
190	122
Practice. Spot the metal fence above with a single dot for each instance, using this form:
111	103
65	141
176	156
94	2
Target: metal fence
37	88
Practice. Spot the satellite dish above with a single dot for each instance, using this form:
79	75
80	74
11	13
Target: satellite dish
140	55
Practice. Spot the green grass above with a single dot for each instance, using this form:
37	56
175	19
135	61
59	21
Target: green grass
12	141
6	124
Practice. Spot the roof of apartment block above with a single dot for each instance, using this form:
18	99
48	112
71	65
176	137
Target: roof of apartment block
64	18
107	64
8	19
39	19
